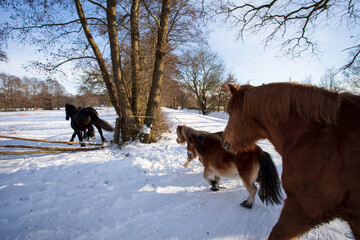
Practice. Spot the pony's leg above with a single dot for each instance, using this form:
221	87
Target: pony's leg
79	134
91	132
212	179
189	159
215	183
251	188
293	222
103	140
86	135
73	137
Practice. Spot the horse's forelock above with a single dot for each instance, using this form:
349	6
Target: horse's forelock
178	129
237	97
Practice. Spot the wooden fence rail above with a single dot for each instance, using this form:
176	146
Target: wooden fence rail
51	141
47	149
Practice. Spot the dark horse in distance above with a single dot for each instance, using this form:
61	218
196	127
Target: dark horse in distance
82	121
317	133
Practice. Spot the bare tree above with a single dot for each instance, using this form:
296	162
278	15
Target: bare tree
352	77
293	21
222	94
330	81
28	93
135	57
153	105
112	39
58	28
202	72
3	56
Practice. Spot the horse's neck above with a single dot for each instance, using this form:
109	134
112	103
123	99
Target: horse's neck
74	112
284	135
187	132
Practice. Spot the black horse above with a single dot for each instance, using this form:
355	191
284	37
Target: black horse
82	120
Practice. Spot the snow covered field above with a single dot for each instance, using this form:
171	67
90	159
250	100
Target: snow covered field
137	192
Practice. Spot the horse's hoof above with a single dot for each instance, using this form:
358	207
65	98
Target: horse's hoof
245	204
105	143
214	189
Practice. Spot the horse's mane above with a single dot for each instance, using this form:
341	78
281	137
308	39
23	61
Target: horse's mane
70	106
274	102
198	137
187	131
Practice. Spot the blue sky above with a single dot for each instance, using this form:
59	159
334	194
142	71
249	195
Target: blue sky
247	60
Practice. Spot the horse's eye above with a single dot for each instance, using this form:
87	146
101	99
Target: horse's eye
230	113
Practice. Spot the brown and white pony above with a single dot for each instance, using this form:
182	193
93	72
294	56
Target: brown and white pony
252	166
317	133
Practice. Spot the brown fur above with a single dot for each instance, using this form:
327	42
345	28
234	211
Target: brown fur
219	163
317	133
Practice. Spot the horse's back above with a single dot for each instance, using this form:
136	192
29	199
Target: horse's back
82	118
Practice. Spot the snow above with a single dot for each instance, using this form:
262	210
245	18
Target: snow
141	191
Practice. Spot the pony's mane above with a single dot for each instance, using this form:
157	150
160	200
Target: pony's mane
274	102
187	131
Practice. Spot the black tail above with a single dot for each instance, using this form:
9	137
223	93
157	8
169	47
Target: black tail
268	179
100	123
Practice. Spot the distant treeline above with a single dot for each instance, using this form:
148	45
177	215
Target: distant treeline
32	93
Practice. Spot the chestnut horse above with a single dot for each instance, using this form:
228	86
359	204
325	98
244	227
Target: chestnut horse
252	166
317	133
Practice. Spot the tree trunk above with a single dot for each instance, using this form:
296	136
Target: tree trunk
135	60
101	61
158	74
130	130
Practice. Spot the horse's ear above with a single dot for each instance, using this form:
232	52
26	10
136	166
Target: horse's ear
179	127
233	89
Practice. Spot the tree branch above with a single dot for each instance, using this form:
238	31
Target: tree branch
98	4
279	15
56	24
151	14
353	59
50	67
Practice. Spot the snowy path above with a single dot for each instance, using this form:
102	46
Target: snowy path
138	192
